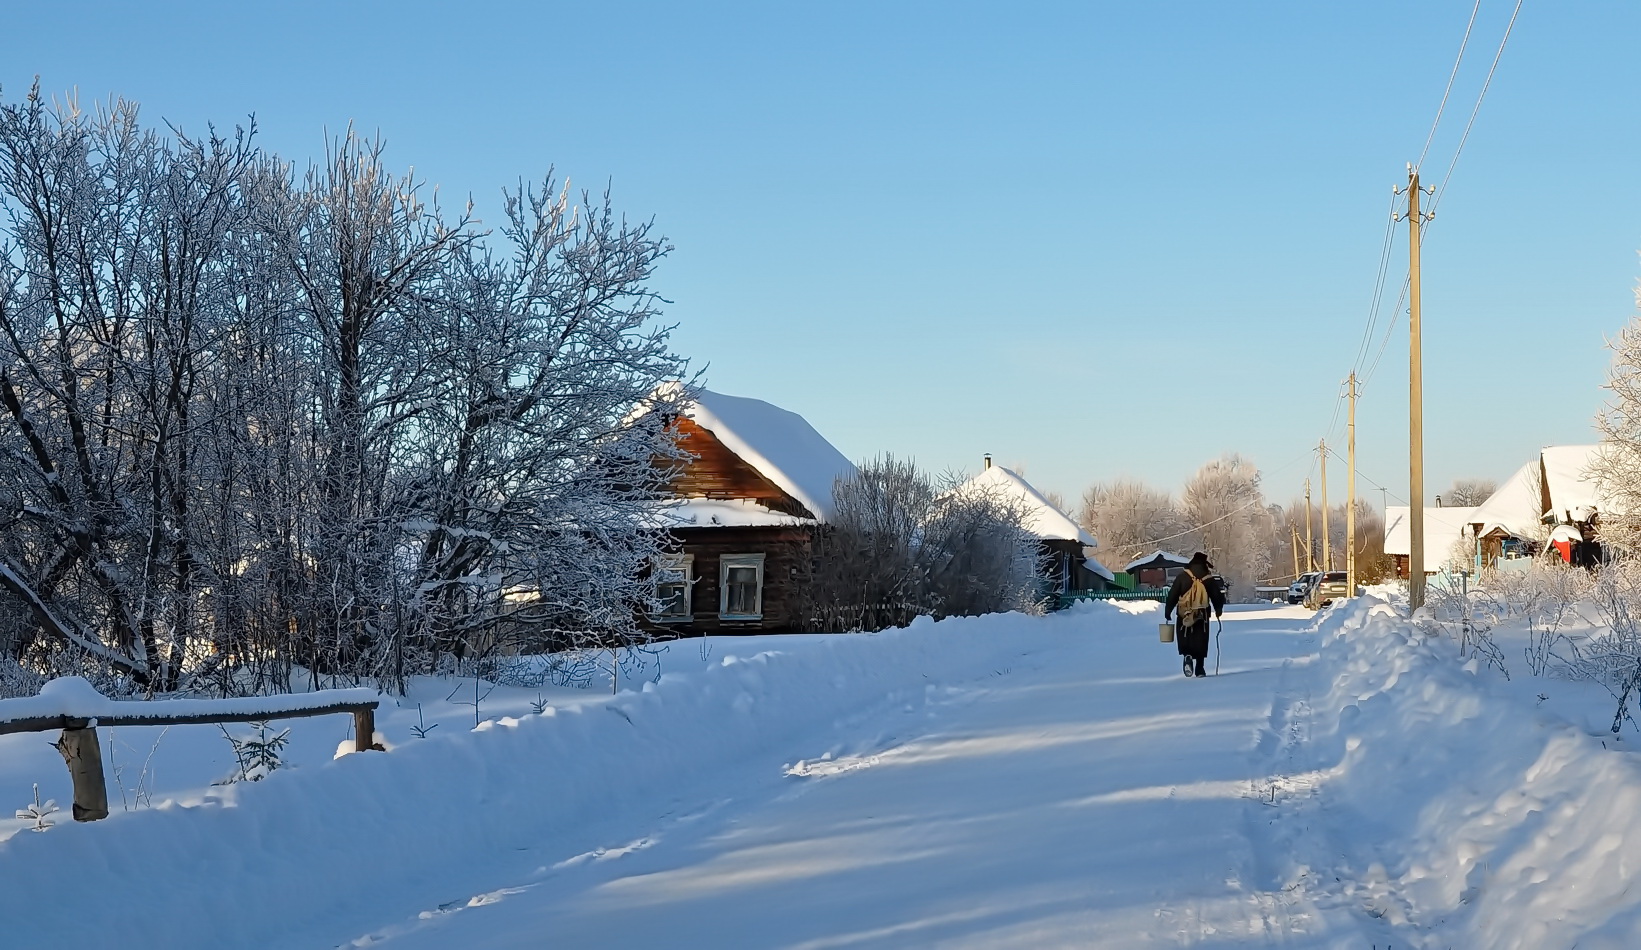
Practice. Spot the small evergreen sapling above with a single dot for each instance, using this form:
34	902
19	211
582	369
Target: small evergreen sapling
39	813
258	753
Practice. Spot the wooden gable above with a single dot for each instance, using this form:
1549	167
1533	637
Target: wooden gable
713	471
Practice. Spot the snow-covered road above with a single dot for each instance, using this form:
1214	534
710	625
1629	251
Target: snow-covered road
1006	781
1085	794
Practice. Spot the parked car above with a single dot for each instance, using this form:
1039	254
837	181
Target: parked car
1300	587
1327	588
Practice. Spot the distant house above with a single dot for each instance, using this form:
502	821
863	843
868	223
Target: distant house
745	509
1448	538
1157	569
1552	500
1067	550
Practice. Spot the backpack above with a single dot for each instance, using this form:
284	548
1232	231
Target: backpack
1194	601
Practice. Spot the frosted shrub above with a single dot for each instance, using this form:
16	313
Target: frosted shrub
903	544
1547	598
1613	658
1468	616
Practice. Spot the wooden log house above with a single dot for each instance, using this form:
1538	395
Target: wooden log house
744	511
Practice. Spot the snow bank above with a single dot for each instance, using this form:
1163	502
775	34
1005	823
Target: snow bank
307	855
1468	816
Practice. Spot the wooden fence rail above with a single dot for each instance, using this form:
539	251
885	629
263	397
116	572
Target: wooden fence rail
83	754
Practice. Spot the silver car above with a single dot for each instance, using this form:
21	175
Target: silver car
1326	588
1298	589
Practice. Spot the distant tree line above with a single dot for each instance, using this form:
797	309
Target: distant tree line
1222	510
255	419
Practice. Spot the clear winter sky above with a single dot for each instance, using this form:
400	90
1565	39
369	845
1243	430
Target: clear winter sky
1093	239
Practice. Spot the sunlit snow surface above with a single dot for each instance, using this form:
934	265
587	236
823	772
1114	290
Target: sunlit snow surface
994	782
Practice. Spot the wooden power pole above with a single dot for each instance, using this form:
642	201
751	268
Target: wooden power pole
1327	552
1350	498
1415	401
1310	543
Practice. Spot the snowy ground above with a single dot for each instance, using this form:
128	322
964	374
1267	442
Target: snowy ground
989	782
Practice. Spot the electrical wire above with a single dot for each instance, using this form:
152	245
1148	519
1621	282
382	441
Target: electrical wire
1448	91
1378	285
1390	329
1376	301
1442	188
1257	501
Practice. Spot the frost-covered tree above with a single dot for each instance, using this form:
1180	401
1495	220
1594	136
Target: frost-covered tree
1225	506
1130	519
253	421
1617	468
1466	492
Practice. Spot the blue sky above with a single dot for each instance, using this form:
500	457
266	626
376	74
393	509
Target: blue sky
1093	239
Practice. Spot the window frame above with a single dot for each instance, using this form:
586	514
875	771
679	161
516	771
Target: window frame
683	564
727	561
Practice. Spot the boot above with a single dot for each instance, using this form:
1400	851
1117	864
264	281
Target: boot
1201	670
1188	667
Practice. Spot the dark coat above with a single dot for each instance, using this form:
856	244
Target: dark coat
1192	641
1214	583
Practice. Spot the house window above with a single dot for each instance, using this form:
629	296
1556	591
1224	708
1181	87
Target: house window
741	587
673	587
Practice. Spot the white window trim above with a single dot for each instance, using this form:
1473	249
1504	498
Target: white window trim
683	564
727	561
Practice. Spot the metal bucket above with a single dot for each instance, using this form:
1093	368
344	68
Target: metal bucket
1165	632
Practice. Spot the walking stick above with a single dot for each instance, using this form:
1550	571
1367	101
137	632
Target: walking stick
1217	631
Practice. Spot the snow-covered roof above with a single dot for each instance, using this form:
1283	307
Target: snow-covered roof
781	445
1564	470
1042	520
1443	528
1099	568
1567	475
1515	506
724	512
1168	558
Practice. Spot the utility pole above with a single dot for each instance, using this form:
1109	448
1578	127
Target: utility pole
1327	553
1415	396
1310	545
1293	535
1350	498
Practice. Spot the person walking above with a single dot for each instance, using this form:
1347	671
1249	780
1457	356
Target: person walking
1197	593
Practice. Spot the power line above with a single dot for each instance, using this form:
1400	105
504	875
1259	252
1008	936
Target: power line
1378	285
1442	188
1257	501
1370	481
1447	91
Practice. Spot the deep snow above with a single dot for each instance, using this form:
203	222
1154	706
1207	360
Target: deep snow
998	781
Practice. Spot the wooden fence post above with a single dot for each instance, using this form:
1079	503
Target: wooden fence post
84	756
364	729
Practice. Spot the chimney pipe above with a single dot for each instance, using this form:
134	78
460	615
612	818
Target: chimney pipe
988	460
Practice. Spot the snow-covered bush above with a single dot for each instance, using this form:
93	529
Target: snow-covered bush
1469	616
1578	624
903	544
